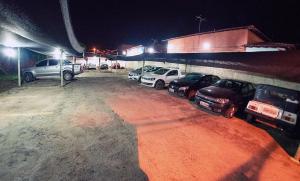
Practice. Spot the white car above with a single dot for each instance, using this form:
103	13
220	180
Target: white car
137	74
161	78
92	66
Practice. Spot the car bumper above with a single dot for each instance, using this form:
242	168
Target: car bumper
177	92
272	121
148	83
134	77
212	106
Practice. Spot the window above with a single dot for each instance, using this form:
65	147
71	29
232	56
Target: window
173	73
215	79
42	63
245	90
53	62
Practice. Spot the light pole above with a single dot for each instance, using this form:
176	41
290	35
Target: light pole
200	18
19	67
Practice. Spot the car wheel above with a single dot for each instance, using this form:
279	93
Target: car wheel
229	113
68	76
250	118
28	77
191	95
159	85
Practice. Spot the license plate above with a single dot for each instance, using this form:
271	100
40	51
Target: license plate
270	112
204	104
171	90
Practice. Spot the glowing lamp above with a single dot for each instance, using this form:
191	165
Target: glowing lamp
206	46
10	52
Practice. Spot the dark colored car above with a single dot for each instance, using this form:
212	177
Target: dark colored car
103	67
188	85
116	66
276	105
226	96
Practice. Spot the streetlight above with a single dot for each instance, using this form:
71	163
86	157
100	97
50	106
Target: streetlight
12	53
151	50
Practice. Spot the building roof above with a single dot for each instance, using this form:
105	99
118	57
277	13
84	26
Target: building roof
272	45
251	28
40	28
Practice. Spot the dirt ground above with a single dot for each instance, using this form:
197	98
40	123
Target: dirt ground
104	127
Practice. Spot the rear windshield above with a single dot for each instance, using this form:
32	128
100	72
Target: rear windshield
161	71
229	84
285	99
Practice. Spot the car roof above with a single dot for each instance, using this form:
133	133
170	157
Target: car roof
240	81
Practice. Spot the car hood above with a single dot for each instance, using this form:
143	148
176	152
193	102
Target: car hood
182	82
217	92
136	72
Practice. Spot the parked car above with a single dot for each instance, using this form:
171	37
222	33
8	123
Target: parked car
161	78
226	96
276	105
103	67
51	67
188	85
91	66
137	74
116	66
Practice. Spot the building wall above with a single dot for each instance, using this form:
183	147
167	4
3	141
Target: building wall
226	41
221	72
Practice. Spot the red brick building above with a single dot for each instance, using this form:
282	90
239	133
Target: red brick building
226	40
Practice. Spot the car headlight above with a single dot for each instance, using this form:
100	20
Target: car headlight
184	88
222	101
198	93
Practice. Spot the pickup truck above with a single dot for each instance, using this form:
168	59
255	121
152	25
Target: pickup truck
161	78
51	67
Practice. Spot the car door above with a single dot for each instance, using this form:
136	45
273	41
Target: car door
53	67
172	75
41	67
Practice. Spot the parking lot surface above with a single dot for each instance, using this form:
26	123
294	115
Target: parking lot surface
104	127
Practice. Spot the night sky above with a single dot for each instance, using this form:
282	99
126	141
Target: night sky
108	24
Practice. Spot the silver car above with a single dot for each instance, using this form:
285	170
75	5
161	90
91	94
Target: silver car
51	67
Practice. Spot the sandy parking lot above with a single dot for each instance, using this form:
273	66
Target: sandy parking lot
104	127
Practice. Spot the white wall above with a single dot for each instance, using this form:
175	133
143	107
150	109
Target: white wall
222	73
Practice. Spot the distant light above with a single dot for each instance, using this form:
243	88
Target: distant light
170	47
150	50
10	52
56	53
206	46
64	56
124	53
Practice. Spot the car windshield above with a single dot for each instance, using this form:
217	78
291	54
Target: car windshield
229	84
193	77
161	71
283	98
67	62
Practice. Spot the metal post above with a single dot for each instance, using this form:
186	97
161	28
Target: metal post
143	67
61	69
19	67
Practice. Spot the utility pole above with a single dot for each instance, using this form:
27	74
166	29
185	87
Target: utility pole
200	18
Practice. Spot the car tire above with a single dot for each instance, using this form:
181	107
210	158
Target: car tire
28	77
159	85
230	112
250	118
68	76
191	95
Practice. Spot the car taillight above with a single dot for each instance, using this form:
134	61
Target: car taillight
289	117
253	107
